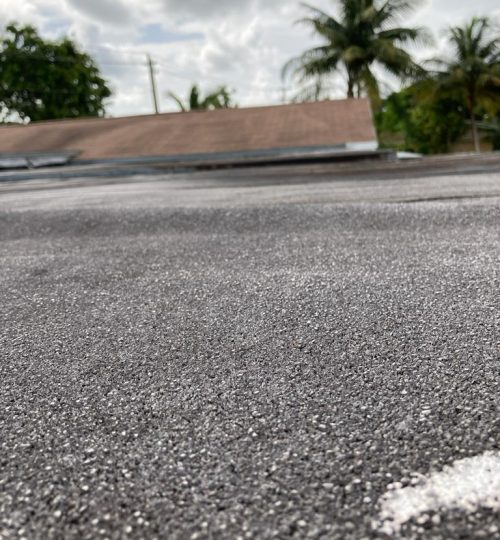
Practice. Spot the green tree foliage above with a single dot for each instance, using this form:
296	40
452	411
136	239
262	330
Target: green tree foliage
367	33
473	72
462	93
491	128
45	80
408	122
220	98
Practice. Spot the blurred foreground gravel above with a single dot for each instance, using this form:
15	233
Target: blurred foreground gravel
241	370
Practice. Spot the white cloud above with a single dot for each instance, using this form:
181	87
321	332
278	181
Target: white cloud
103	11
18	11
243	43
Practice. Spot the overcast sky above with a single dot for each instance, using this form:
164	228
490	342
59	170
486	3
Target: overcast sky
241	43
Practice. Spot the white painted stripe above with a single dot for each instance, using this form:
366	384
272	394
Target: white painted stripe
467	484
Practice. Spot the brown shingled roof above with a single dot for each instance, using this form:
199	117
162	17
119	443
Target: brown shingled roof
284	126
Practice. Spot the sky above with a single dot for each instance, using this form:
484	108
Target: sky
240	43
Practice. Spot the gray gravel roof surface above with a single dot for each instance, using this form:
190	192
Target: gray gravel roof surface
174	369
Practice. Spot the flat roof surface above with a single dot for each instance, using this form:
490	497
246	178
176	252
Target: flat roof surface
227	355
325	123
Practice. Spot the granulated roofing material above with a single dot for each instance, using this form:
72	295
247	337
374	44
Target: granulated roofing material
228	130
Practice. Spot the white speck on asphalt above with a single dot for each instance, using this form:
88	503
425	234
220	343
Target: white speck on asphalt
468	485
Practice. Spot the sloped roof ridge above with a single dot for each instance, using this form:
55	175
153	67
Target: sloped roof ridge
197	112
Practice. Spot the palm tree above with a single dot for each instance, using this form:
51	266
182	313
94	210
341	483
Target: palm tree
364	35
474	71
220	98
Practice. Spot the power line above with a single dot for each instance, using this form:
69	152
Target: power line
64	59
214	80
68	59
149	64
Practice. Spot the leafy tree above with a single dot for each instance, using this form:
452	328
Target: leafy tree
408	122
473	73
220	98
366	34
393	121
44	80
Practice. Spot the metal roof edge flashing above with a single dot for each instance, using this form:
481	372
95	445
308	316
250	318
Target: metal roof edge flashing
34	160
241	155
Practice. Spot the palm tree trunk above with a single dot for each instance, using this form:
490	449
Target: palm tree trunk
350	87
475	135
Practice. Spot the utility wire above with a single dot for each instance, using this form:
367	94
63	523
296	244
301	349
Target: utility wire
63	59
68	59
149	64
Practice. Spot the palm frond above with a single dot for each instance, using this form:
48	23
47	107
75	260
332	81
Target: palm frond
178	100
315	61
393	11
363	33
395	60
194	98
318	16
418	35
317	90
354	54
